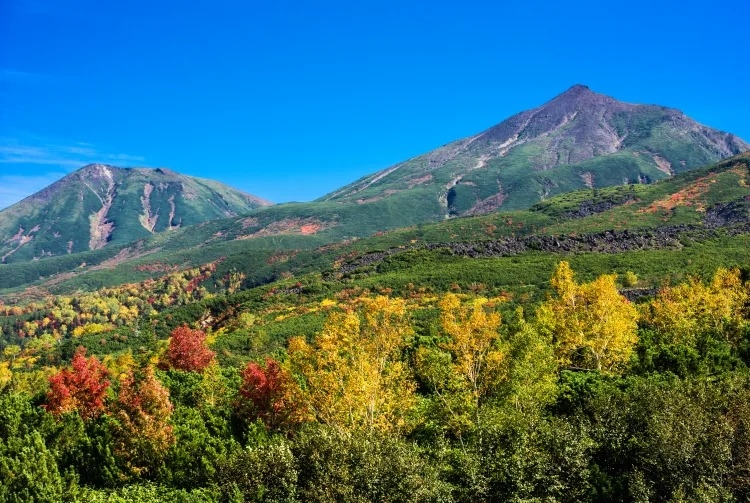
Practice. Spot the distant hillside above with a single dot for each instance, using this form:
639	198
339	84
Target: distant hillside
100	205
699	205
577	140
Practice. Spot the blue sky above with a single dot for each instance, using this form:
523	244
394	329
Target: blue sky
289	100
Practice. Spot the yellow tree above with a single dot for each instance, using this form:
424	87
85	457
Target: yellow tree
468	366
353	372
5	374
473	332
684	311
592	325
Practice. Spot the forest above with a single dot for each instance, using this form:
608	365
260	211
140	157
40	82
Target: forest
164	391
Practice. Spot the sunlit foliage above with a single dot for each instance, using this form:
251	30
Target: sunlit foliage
80	388
593	325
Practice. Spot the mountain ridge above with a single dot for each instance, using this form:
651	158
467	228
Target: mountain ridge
567	131
703	204
577	140
98	204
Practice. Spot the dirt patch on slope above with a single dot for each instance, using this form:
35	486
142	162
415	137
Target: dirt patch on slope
386	193
300	226
147	220
664	165
419	180
489	204
122	256
588	179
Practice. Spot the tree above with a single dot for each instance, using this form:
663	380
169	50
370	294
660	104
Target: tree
199	445
270	394
362	466
462	371
188	350
143	431
685	311
473	332
28	466
5	374
263	473
531	381
354	373
11	352
81	388
28	471
593	326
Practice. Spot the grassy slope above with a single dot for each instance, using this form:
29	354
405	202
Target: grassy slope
537	169
57	220
264	259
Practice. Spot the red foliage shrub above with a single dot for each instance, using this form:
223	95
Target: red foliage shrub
271	395
80	388
188	350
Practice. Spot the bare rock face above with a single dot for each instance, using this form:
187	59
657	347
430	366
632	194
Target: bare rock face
100	204
579	139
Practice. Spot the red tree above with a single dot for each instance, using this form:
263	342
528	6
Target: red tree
188	350
271	395
80	388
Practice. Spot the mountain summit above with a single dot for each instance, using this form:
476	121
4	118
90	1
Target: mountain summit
578	139
100	204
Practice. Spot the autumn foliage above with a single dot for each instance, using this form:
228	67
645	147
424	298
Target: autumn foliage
188	350
143	411
80	388
685	311
593	326
270	394
473	331
355	374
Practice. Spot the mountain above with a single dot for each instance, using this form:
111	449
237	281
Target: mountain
99	205
702	206
578	139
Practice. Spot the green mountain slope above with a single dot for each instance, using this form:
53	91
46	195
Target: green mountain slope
696	205
102	205
579	139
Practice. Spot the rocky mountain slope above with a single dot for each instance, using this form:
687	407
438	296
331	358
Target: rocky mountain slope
703	205
99	204
578	139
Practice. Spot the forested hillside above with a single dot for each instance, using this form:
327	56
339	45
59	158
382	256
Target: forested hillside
333	392
592	348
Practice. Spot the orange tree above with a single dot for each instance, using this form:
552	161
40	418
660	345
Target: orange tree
188	350
81	388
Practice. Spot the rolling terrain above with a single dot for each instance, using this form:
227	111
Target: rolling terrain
578	140
693	207
592	347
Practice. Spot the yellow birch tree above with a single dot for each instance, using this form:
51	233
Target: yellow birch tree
353	372
592	325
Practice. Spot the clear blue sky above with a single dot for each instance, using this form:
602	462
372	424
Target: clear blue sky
290	99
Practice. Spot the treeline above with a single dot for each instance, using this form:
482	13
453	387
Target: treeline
451	397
